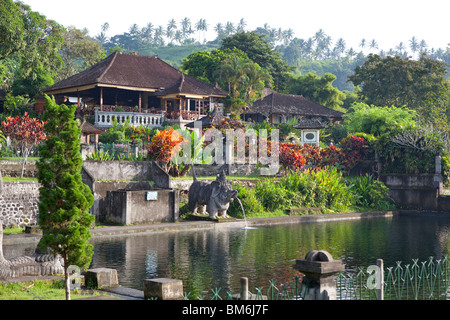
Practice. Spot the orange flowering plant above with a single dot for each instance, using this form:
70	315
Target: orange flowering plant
164	145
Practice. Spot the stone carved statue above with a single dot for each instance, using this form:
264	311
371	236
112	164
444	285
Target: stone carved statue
34	265
214	197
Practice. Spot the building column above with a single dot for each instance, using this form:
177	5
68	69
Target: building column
140	101
101	99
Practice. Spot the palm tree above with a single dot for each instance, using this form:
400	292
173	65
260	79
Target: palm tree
323	46
245	79
170	31
288	35
401	49
186	27
309	44
241	26
373	44
319	36
423	46
201	25
147	33
102	38
340	46
229	28
158	36
362	44
178	37
414	45
218	28
351	53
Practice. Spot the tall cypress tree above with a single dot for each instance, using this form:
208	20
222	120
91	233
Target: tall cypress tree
64	199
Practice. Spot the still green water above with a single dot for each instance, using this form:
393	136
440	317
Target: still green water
211	259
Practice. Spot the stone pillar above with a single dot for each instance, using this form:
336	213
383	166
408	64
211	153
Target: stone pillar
163	289
319	268
437	180
101	278
244	288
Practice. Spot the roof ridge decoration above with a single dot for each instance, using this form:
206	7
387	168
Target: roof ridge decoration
180	88
109	66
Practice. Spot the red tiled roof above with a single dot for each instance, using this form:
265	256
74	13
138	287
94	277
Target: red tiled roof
290	104
134	71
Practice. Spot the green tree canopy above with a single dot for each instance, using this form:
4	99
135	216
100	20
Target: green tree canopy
259	50
417	84
377	120
318	89
79	52
233	70
29	40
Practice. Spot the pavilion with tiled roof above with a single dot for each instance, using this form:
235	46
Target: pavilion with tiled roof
278	107
133	81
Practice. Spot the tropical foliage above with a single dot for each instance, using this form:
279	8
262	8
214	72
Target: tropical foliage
376	120
25	133
164	145
324	188
419	85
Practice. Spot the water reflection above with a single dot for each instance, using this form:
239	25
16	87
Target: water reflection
218	258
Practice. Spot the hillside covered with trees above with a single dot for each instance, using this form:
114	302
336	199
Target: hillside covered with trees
36	53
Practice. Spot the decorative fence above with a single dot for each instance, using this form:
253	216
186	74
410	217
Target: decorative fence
294	290
428	280
105	119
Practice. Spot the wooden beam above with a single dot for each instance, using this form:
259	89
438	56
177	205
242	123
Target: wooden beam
126	87
71	90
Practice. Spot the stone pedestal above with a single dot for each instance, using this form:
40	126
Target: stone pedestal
319	268
163	289
101	278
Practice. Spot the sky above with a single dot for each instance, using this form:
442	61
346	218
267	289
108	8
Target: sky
389	22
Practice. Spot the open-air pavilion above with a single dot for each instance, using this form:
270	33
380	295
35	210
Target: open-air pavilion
144	89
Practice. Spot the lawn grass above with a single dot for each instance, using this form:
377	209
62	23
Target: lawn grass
12	179
39	290
29	159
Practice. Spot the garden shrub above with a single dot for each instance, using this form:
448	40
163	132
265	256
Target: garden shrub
252	206
324	188
412	150
369	192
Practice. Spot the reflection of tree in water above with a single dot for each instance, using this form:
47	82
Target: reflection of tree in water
210	259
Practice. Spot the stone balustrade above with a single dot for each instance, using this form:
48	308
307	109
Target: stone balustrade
105	119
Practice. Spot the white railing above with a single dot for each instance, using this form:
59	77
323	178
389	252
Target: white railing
105	119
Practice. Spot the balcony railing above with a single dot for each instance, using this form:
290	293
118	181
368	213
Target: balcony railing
105	119
185	115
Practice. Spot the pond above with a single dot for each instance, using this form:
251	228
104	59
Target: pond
210	259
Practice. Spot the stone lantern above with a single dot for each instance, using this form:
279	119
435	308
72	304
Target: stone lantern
319	268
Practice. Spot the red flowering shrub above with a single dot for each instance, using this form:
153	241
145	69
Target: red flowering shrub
290	157
311	154
25	133
354	149
331	156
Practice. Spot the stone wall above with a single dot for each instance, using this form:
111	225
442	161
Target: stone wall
420	191
107	176
14	169
131	207
19	203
